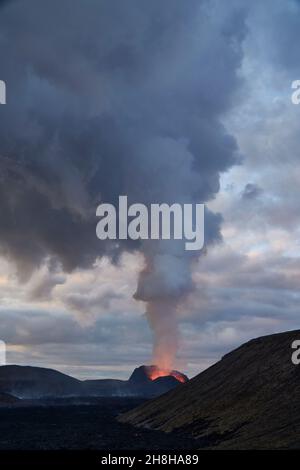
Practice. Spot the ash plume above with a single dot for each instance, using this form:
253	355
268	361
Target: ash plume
120	98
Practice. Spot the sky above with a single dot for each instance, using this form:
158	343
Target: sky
163	101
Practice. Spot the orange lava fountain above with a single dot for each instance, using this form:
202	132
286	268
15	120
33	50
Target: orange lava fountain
154	372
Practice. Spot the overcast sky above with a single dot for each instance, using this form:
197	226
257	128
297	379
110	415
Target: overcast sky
157	100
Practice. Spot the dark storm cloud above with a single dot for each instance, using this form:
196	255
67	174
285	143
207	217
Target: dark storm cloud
101	96
276	26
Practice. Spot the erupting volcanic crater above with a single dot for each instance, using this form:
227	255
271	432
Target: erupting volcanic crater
154	372
144	374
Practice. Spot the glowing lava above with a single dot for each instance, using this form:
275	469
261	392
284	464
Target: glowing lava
154	372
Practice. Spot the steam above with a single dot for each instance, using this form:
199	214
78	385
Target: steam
163	285
162	290
135	110
166	278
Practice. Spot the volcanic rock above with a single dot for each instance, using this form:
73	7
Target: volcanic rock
151	381
144	374
248	400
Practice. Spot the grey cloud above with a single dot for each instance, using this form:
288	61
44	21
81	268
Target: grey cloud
41	327
130	100
42	283
110	347
85	302
117	99
251	191
277	33
88	95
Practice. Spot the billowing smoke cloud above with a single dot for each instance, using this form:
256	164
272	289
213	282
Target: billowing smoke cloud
107	97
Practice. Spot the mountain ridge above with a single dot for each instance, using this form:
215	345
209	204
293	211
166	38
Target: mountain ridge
248	399
30	382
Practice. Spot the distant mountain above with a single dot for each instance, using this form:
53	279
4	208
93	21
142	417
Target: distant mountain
35	382
249	399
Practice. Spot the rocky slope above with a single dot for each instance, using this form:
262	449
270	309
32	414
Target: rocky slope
249	399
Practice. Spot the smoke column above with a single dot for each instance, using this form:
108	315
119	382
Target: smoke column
136	109
161	287
166	278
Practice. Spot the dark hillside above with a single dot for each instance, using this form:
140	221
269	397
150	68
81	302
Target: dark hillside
249	399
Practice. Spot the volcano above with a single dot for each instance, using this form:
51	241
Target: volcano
153	381
144	374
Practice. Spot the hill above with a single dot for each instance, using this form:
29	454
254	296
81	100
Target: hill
36	382
249	399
